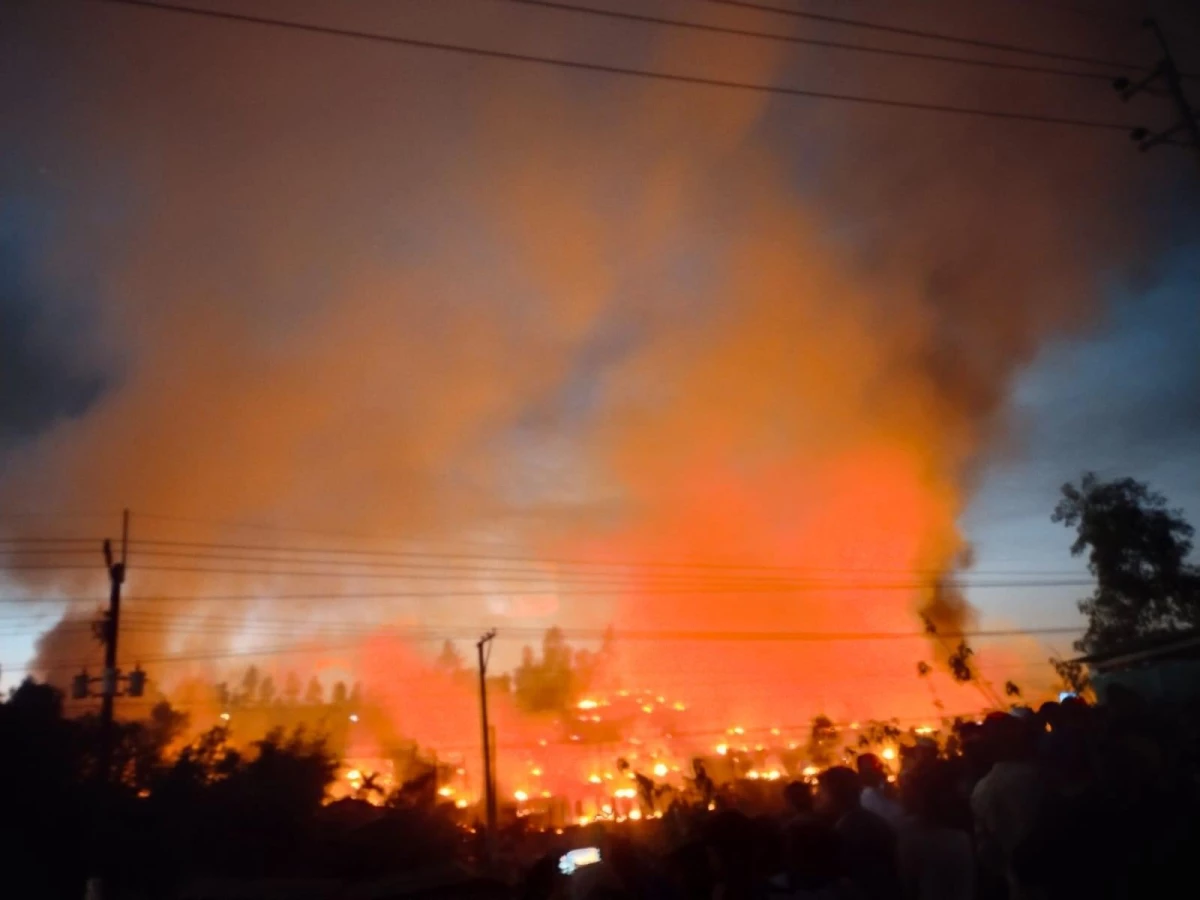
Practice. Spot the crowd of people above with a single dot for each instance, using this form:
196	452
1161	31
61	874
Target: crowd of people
1072	800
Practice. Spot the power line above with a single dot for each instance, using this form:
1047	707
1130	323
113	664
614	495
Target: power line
928	35
472	564
565	591
567	588
21	541
806	41
683	636
44	567
577	65
555	581
526	561
1112	18
151	623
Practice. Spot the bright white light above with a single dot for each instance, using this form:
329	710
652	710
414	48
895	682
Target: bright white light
520	796
353	717
660	769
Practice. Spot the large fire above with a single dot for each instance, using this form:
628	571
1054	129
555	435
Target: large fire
741	373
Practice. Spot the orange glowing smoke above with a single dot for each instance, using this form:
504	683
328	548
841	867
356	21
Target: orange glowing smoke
660	323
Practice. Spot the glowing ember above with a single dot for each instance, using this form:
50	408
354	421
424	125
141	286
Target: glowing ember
587	704
635	814
660	770
461	803
446	791
889	753
520	796
722	749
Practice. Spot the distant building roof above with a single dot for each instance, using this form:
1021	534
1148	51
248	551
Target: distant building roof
1157	648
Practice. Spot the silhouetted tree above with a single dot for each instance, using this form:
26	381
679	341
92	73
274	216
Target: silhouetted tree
250	685
43	768
1073	675
548	684
960	663
141	745
291	688
314	694
1138	549
822	741
266	691
338	697
449	661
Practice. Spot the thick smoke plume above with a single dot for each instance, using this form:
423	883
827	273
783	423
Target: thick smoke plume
358	290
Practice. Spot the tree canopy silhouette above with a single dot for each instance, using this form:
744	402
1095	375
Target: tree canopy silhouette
1138	550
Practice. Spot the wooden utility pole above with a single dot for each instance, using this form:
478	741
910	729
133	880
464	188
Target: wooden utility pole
484	648
1163	81
112	626
109	681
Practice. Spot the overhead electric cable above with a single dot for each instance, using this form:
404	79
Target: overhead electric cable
603	68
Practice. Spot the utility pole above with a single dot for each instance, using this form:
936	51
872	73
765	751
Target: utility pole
1163	81
484	648
108	682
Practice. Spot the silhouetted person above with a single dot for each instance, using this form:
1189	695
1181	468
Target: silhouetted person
868	843
812	863
704	784
1005	803
876	792
729	839
935	856
645	786
799	798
